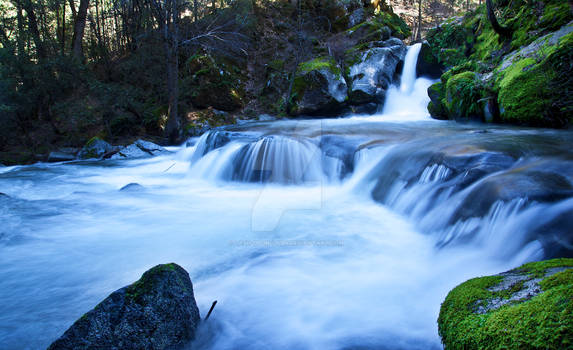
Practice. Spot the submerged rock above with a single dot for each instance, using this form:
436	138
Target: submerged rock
156	312
132	187
528	307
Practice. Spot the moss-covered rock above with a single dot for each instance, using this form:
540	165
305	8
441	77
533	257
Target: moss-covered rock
157	312
530	307
463	92
533	86
380	27
318	88
436	106
523	78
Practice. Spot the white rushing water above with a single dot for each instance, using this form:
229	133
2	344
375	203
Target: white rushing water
318	234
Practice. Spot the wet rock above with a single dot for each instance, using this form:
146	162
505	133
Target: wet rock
371	72
132	187
319	88
427	64
95	148
139	149
156	312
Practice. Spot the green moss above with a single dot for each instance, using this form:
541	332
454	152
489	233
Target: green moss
463	91
486	44
555	15
538	268
327	63
146	283
383	25
468	66
543	322
523	92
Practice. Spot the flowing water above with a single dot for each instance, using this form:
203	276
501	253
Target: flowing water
311	234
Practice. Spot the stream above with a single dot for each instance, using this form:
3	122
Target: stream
341	233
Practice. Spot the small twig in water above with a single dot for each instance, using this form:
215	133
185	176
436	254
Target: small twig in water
172	165
211	310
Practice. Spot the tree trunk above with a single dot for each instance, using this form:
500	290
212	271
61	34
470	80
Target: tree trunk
419	34
63	43
73	7
33	26
195	10
20	37
79	27
503	31
171	43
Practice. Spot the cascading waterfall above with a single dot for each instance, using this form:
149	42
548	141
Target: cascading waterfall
312	234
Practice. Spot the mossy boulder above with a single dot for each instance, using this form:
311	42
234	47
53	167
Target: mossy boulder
530	307
318	88
437	105
463	92
213	82
156	312
379	27
534	83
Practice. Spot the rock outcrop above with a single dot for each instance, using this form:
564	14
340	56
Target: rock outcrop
521	79
156	312
530	307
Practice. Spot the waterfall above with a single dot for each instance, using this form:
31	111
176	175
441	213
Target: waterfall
409	71
409	101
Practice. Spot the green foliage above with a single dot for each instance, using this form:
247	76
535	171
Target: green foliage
543	322
449	42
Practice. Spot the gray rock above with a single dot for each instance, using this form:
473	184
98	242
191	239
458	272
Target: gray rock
529	288
536	48
59	156
374	72
324	93
156	312
427	64
138	149
95	148
357	16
